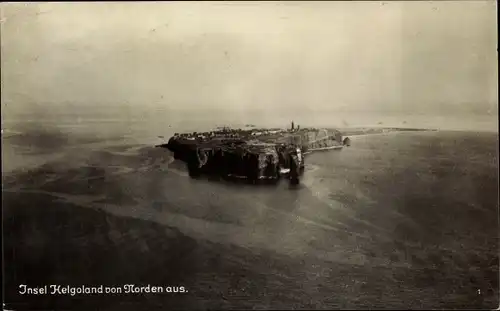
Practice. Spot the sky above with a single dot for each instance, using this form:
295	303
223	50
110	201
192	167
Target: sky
417	57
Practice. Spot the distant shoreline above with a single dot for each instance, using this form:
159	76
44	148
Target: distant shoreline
372	131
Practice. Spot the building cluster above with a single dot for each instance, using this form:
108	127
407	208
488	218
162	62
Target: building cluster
203	136
251	136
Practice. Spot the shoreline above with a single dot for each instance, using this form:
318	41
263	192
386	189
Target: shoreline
385	132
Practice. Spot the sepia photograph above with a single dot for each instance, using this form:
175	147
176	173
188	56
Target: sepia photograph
242	155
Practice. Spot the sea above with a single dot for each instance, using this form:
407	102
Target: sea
399	220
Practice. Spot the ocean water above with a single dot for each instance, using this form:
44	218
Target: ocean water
397	220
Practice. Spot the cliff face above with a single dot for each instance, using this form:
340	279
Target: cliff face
245	160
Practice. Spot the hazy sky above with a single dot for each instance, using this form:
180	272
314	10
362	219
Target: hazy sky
394	57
